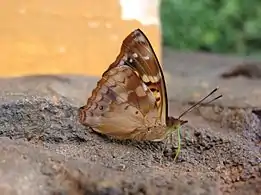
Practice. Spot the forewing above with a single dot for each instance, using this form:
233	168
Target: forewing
119	104
137	52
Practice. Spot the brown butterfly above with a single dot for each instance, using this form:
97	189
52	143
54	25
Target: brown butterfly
130	100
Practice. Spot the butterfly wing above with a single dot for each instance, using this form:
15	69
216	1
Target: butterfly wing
120	105
137	52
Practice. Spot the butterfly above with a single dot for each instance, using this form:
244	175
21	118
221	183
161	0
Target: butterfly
130	100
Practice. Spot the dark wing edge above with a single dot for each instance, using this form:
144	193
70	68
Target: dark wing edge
163	83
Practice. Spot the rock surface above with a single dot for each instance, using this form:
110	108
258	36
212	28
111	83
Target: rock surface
44	149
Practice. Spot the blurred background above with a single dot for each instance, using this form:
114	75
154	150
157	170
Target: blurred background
215	26
84	36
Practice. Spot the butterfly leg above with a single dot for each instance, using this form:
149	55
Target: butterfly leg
179	144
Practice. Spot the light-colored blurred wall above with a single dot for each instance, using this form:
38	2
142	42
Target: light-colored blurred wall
70	36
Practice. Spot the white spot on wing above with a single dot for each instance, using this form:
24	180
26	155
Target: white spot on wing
135	55
154	78
144	87
148	78
146	57
140	38
140	91
145	78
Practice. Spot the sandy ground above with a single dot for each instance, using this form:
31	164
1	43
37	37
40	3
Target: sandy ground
44	149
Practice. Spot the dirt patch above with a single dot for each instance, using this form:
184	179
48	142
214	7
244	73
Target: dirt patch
212	160
244	70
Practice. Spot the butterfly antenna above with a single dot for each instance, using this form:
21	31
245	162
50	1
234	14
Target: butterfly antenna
214	99
200	101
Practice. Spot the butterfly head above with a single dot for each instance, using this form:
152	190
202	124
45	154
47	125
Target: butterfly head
175	123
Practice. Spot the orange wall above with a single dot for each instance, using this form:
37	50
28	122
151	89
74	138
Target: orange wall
63	37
